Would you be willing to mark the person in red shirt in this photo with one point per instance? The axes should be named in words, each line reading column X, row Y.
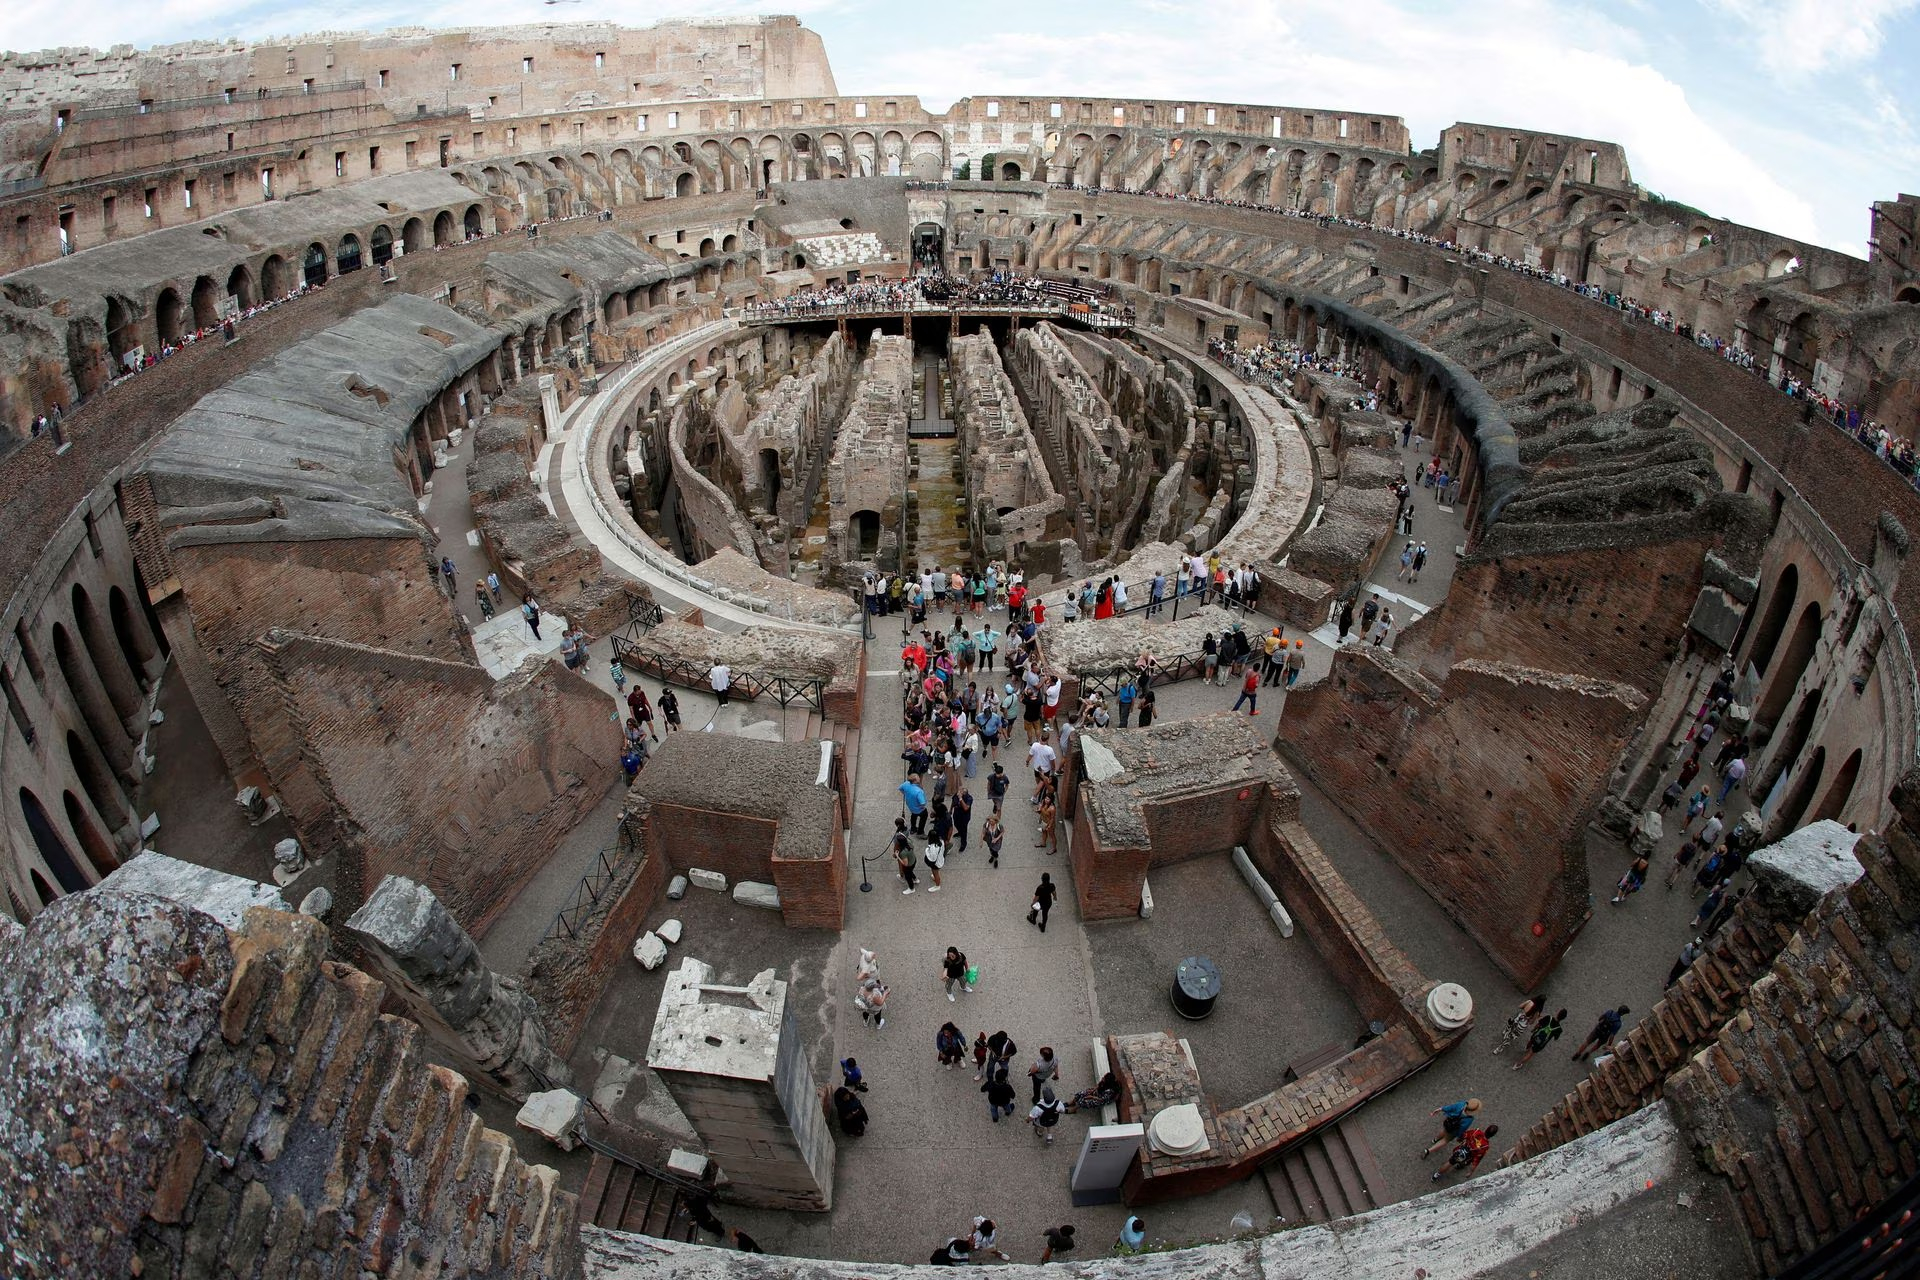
column 1250, row 692
column 1039, row 613
column 1016, row 601
column 914, row 657
column 1471, row 1150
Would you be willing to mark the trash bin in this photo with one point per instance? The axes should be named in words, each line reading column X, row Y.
column 1196, row 985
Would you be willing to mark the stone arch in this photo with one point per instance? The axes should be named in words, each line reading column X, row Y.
column 1010, row 172
column 1773, row 623
column 115, row 675
column 730, row 244
column 1793, row 664
column 1783, row 262
column 1794, row 808
column 1840, row 790
column 1909, row 294
column 135, row 644
column 95, row 708
column 863, row 533
column 95, row 779
column 240, row 287
column 205, row 303
column 413, row 235
column 313, row 267
column 122, row 334
column 769, row 477
column 274, row 281
column 685, row 185
column 98, row 848
column 347, row 257
column 52, row 849
column 380, row 245
column 708, row 247
column 169, row 316
column 43, row 890
column 470, row 223
column 443, row 229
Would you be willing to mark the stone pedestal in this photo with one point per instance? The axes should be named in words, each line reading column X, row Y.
column 733, row 1060
column 414, row 945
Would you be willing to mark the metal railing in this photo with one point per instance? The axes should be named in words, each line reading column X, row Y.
column 1185, row 666
column 588, row 893
column 747, row 686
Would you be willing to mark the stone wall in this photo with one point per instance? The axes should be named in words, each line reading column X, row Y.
column 239, row 1106
column 1081, row 438
column 566, row 972
column 1012, row 501
column 868, row 472
column 795, row 418
column 1503, row 765
column 434, row 771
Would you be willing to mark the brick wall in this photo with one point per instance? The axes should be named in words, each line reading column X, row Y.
column 1106, row 882
column 1604, row 613
column 813, row 891
column 434, row 771
column 1806, row 1101
column 262, row 1119
column 1480, row 788
column 736, row 845
column 370, row 591
column 567, row 972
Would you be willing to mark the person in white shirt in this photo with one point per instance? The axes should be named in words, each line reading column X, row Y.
column 721, row 678
column 1041, row 758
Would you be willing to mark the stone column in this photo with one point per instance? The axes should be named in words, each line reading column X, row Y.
column 415, row 946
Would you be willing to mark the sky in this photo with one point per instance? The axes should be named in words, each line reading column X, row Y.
column 1790, row 115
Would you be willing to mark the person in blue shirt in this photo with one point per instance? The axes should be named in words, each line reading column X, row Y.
column 915, row 798
column 1125, row 699
column 1455, row 1119
column 1133, row 1234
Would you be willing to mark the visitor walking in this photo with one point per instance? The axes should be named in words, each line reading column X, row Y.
column 1455, row 1119
column 949, row 1045
column 1059, row 1240
column 1602, row 1034
column 1545, row 1032
column 1688, row 954
column 903, row 859
column 1472, row 1149
column 1521, row 1023
column 1046, row 1114
column 953, row 972
column 1000, row 1096
column 1249, row 694
column 720, row 676
column 530, row 611
column 1043, row 895
column 1043, row 1070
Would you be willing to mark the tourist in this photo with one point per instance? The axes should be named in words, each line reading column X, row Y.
column 1001, row 1045
column 1209, row 659
column 962, row 816
column 994, row 835
column 1545, row 1032
column 1735, row 771
column 914, row 797
column 485, row 600
column 1045, row 1114
column 630, row 761
column 1456, row 1119
column 1049, row 826
column 1382, row 627
column 1296, row 662
column 1059, row 1240
column 642, row 709
column 1273, row 660
column 1133, row 1235
column 852, row 1076
column 720, row 677
column 1042, row 758
column 1043, row 896
column 1419, row 561
column 903, row 859
column 1070, row 610
column 670, row 708
column 953, row 972
column 1368, row 614
column 1602, row 1034
column 988, row 643
column 1681, row 858
column 980, row 1052
column 1156, row 593
column 1472, row 1149
column 1406, row 563
column 1249, row 694
column 1709, row 907
column 1632, row 882
column 1521, row 1022
column 1043, row 1070
column 1000, row 1095
column 985, row 1238
column 997, row 784
column 1052, row 702
column 529, row 610
column 871, row 1000
column 1146, row 702
column 1688, row 954
column 949, row 1045
column 849, row 1112
column 1344, row 619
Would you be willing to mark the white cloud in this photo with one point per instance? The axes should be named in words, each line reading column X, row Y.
column 1793, row 39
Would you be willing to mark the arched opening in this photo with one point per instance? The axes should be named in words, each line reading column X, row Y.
column 348, row 257
column 865, row 529
column 1009, row 172
column 1790, row 743
column 98, row 848
column 1802, row 794
column 53, row 850
column 770, row 476
column 442, row 229
column 684, row 185
column 471, row 223
column 94, row 707
column 1793, row 664
column 273, row 277
column 94, row 780
column 380, row 244
column 168, row 316
column 1784, row 263
column 313, row 268
column 1834, row 802
column 1909, row 294
column 708, row 247
column 122, row 337
column 240, row 287
column 730, row 244
column 799, row 261
column 43, row 889
column 413, row 235
column 206, row 303
column 133, row 644
column 116, row 676
column 1774, row 624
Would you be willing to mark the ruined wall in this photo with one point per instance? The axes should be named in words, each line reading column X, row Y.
column 868, row 472
column 1480, row 787
column 1011, row 496
column 795, row 419
column 434, row 771
column 1081, row 437
column 245, row 1110
column 567, row 969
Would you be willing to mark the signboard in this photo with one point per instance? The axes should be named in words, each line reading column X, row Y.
column 1106, row 1153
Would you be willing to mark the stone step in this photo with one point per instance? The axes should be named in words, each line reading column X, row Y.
column 594, row 1191
column 613, row 1206
column 1373, row 1180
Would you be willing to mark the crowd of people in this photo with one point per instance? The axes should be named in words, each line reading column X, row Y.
column 933, row 289
column 1898, row 453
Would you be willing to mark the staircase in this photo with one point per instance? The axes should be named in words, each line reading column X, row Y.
column 801, row 723
column 1333, row 1174
column 625, row 1197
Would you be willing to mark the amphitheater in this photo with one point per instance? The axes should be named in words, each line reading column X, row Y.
column 337, row 942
